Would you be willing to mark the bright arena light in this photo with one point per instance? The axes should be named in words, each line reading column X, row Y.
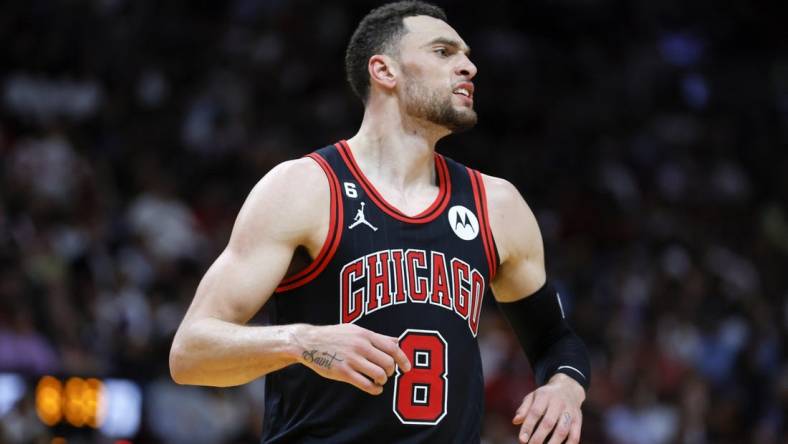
column 49, row 400
column 120, row 410
column 12, row 389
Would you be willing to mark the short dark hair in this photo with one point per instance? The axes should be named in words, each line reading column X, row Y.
column 375, row 34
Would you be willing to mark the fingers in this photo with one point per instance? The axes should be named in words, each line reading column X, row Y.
column 546, row 425
column 574, row 432
column 370, row 370
column 363, row 383
column 519, row 415
column 532, row 416
column 359, row 356
column 561, row 431
column 390, row 346
column 382, row 360
column 376, row 362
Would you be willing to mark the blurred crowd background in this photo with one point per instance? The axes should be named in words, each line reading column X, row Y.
column 649, row 137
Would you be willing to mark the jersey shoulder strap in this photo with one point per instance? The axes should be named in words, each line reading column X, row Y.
column 469, row 190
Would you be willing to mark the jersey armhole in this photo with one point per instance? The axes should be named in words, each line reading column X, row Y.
column 333, row 236
column 480, row 198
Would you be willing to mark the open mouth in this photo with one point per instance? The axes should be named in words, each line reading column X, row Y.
column 464, row 89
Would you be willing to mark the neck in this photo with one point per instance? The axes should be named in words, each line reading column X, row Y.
column 394, row 148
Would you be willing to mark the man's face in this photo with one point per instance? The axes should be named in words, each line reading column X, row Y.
column 436, row 74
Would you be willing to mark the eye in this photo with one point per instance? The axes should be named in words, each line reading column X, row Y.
column 443, row 52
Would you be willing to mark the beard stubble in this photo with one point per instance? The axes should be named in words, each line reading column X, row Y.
column 434, row 107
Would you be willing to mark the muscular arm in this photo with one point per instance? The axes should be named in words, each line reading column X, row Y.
column 518, row 240
column 541, row 328
column 288, row 208
column 212, row 346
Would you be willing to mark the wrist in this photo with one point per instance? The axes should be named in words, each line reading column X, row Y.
column 577, row 391
column 294, row 349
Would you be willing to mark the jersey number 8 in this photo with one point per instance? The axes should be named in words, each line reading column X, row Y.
column 420, row 394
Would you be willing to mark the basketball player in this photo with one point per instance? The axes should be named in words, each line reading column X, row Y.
column 374, row 340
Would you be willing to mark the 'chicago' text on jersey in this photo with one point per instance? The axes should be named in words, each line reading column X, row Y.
column 389, row 277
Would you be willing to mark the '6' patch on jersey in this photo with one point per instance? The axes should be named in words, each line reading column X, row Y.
column 463, row 222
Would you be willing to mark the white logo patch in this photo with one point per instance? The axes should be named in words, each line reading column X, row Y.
column 463, row 222
column 360, row 219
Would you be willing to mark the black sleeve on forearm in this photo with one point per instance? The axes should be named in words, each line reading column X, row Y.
column 550, row 344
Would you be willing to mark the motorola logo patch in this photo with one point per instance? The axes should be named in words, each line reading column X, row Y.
column 463, row 222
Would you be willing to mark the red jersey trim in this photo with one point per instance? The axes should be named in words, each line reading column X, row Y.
column 333, row 237
column 480, row 198
column 433, row 211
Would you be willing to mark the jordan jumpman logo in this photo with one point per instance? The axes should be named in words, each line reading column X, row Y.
column 360, row 219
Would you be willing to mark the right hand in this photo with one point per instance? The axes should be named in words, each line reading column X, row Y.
column 351, row 354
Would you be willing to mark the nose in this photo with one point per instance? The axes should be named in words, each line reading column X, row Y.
column 466, row 68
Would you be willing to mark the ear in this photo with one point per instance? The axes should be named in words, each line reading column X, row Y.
column 382, row 71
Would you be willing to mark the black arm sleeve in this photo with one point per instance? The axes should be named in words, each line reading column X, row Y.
column 550, row 344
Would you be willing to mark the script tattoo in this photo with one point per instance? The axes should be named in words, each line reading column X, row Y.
column 322, row 359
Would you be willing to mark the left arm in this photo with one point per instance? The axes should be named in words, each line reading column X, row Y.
column 557, row 355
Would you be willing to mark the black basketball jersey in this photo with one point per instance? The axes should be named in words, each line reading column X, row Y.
column 421, row 279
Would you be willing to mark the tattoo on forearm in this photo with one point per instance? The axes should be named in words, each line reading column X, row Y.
column 322, row 359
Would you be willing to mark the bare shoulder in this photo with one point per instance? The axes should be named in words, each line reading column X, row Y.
column 296, row 182
column 501, row 194
column 512, row 221
column 290, row 204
